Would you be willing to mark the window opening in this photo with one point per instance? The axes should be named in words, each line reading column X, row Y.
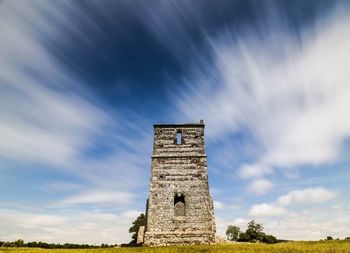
column 179, row 205
column 179, row 137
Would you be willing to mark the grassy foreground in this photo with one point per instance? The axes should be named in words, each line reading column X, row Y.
column 289, row 247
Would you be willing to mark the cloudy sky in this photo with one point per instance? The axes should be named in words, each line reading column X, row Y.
column 82, row 83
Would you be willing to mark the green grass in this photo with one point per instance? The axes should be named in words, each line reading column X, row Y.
column 288, row 247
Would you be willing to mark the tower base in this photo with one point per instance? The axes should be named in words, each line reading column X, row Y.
column 178, row 238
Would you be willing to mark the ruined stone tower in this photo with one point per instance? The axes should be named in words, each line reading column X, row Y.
column 179, row 208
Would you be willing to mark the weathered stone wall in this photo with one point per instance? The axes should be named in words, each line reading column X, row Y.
column 140, row 235
column 180, row 209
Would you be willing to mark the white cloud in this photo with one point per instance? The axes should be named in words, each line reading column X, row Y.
column 113, row 198
column 46, row 116
column 294, row 104
column 48, row 119
column 222, row 223
column 73, row 227
column 219, row 205
column 288, row 92
column 57, row 186
column 264, row 210
column 313, row 223
column 224, row 206
column 240, row 222
column 306, row 196
column 260, row 186
column 251, row 171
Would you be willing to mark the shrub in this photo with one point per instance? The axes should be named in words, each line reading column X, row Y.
column 269, row 239
column 244, row 237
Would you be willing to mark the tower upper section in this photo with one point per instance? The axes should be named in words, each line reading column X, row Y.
column 179, row 140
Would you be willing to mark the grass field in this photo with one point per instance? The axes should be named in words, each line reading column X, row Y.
column 289, row 247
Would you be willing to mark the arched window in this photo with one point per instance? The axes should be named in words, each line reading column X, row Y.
column 179, row 205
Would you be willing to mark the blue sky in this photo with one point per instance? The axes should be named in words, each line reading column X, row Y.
column 82, row 83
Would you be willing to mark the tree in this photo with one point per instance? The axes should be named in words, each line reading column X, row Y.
column 269, row 239
column 134, row 229
column 329, row 238
column 232, row 233
column 19, row 243
column 255, row 231
column 7, row 244
column 244, row 237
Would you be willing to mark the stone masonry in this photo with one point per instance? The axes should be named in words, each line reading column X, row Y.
column 179, row 208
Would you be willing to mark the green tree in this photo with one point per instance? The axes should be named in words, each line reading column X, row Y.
column 134, row 229
column 19, row 243
column 7, row 244
column 255, row 231
column 244, row 237
column 269, row 239
column 232, row 233
column 329, row 238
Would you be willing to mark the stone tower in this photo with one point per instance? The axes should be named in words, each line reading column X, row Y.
column 179, row 207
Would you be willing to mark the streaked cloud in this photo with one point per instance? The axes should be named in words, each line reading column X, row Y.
column 70, row 226
column 251, row 171
column 48, row 116
column 110, row 198
column 306, row 196
column 263, row 210
column 77, row 103
column 60, row 186
column 53, row 124
column 224, row 206
column 311, row 223
column 222, row 223
column 43, row 126
column 260, row 186
column 287, row 92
